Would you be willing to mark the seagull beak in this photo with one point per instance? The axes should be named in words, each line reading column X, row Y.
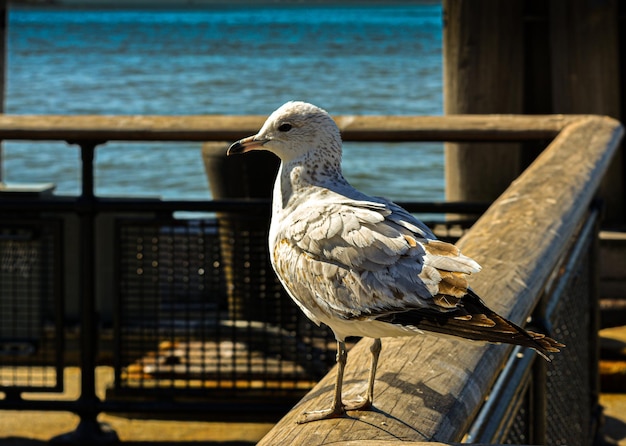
column 245, row 145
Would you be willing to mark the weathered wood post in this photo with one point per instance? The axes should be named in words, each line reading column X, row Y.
column 483, row 73
column 586, row 76
column 243, row 236
column 529, row 57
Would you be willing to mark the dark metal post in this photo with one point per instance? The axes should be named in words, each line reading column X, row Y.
column 594, row 323
column 88, row 332
column 88, row 431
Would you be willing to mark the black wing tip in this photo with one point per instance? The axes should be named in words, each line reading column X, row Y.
column 472, row 319
column 545, row 345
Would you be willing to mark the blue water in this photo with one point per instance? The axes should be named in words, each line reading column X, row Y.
column 348, row 60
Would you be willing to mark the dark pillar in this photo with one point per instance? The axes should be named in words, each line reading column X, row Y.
column 483, row 73
column 586, row 76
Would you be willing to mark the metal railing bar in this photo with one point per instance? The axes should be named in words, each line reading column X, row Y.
column 59, row 307
column 87, row 149
column 490, row 422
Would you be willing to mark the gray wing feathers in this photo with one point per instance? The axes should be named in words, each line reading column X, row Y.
column 365, row 258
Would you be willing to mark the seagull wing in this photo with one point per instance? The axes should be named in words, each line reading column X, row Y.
column 360, row 259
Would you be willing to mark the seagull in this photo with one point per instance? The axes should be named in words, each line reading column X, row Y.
column 363, row 265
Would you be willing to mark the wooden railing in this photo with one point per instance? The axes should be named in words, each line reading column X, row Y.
column 428, row 389
column 228, row 128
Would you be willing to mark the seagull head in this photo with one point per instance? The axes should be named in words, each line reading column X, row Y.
column 293, row 131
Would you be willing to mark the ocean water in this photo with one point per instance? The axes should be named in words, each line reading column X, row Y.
column 234, row 61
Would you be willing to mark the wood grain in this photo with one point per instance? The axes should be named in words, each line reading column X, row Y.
column 482, row 74
column 231, row 128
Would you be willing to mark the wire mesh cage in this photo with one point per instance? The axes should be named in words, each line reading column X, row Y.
column 200, row 308
column 569, row 386
column 31, row 318
column 521, row 425
column 569, row 391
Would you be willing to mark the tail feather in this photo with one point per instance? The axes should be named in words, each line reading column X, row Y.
column 474, row 320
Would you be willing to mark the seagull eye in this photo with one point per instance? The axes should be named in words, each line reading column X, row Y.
column 285, row 127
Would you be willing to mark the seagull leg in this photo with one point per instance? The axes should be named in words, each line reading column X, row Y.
column 367, row 402
column 336, row 410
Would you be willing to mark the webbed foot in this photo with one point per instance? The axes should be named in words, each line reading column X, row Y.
column 358, row 404
column 325, row 414
column 335, row 412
